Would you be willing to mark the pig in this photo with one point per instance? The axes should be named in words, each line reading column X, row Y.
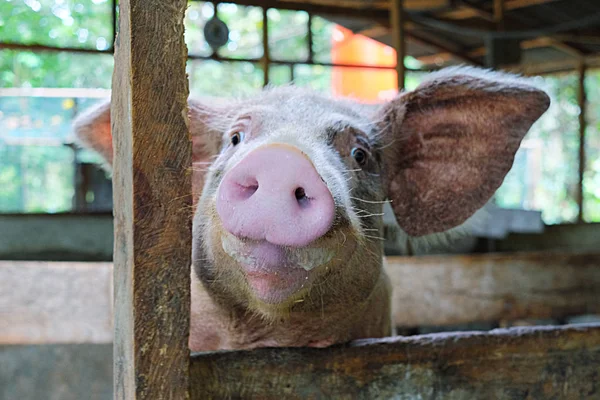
column 288, row 191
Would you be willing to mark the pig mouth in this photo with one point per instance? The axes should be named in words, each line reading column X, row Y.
column 275, row 272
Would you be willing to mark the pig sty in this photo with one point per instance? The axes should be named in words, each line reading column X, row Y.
column 288, row 189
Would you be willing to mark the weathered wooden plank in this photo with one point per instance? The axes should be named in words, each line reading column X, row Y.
column 397, row 21
column 570, row 237
column 446, row 290
column 517, row 363
column 152, row 192
column 56, row 237
column 43, row 302
column 89, row 237
column 56, row 372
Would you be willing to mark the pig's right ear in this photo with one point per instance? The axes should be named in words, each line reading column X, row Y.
column 93, row 130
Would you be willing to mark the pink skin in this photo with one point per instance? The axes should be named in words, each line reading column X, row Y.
column 271, row 200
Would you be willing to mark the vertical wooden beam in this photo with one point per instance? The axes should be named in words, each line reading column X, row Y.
column 499, row 14
column 266, row 57
column 152, row 193
column 398, row 39
column 311, row 50
column 113, row 19
column 582, row 101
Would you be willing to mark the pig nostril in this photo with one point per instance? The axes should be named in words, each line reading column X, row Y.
column 300, row 193
column 246, row 192
column 301, row 197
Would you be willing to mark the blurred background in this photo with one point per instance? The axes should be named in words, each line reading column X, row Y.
column 56, row 61
column 56, row 203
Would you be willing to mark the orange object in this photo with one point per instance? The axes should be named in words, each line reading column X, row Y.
column 367, row 85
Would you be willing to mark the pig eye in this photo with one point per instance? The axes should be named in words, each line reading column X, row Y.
column 236, row 138
column 359, row 155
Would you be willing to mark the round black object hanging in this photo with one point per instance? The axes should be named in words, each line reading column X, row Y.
column 216, row 33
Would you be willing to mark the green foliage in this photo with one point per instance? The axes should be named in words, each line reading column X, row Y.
column 36, row 178
column 591, row 179
column 65, row 23
column 545, row 174
column 40, row 178
column 288, row 35
column 56, row 70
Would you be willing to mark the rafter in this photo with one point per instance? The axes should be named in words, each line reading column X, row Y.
column 525, row 45
column 465, row 11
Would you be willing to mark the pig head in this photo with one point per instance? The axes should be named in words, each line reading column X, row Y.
column 289, row 187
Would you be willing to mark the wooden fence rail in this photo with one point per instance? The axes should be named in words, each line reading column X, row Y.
column 70, row 302
column 517, row 363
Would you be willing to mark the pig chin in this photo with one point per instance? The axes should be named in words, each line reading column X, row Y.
column 273, row 272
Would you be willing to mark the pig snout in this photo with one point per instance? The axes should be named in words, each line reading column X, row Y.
column 275, row 194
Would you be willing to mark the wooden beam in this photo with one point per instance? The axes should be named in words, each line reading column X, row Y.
column 536, row 43
column 56, row 371
column 466, row 12
column 499, row 8
column 56, row 237
column 580, row 238
column 450, row 290
column 536, row 363
column 550, row 67
column 398, row 39
column 71, row 302
column 582, row 102
column 265, row 42
column 152, row 192
column 55, row 302
column 458, row 54
column 348, row 5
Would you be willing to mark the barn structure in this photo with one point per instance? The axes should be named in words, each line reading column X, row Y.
column 470, row 323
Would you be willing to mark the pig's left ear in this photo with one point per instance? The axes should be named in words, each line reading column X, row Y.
column 449, row 144
column 206, row 123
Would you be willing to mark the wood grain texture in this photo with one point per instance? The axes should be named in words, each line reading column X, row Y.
column 44, row 302
column 447, row 290
column 152, row 193
column 517, row 363
column 56, row 372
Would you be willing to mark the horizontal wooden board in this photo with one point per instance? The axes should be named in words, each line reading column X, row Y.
column 48, row 302
column 89, row 237
column 517, row 363
column 446, row 290
column 56, row 237
column 56, row 372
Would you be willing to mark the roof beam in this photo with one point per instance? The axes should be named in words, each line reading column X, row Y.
column 467, row 11
column 525, row 45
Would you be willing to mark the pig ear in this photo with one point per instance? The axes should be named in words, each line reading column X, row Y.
column 449, row 144
column 93, row 130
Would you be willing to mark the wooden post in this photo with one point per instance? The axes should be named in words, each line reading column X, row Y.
column 499, row 14
column 266, row 57
column 582, row 101
column 152, row 193
column 397, row 24
column 311, row 50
